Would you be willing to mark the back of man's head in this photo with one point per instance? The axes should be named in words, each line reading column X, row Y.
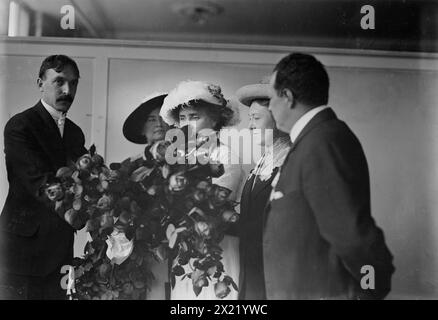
column 57, row 62
column 305, row 77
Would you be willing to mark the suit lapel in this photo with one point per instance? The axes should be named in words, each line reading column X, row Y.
column 323, row 116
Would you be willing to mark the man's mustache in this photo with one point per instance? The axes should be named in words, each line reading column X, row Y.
column 65, row 98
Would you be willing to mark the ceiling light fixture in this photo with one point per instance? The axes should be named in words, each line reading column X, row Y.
column 198, row 11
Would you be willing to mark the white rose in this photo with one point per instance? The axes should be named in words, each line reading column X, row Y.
column 119, row 247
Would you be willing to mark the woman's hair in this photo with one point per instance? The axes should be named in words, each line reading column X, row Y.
column 221, row 115
column 261, row 101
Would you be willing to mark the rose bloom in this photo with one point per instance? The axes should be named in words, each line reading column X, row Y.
column 220, row 196
column 84, row 162
column 203, row 229
column 203, row 185
column 55, row 192
column 230, row 216
column 158, row 150
column 177, row 182
column 119, row 247
column 199, row 279
column 97, row 160
column 201, row 246
column 104, row 202
column 221, row 289
column 199, row 195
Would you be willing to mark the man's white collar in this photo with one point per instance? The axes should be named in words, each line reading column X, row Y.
column 303, row 121
column 53, row 112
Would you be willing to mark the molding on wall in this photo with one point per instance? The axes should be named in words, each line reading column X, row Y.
column 214, row 52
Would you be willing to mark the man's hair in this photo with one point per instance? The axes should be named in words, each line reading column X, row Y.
column 305, row 77
column 57, row 62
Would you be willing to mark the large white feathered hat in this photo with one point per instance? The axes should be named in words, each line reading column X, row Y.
column 188, row 92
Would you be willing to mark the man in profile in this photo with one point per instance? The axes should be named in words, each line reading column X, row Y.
column 319, row 234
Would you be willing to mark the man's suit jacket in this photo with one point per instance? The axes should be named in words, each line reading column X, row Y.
column 34, row 239
column 319, row 232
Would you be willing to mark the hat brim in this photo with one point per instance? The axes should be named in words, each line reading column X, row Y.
column 247, row 94
column 134, row 124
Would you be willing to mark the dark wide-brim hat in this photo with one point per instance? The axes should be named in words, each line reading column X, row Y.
column 134, row 124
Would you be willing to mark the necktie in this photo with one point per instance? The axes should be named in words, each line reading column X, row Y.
column 61, row 123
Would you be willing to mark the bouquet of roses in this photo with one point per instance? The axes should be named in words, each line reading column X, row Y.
column 199, row 214
column 145, row 208
column 113, row 206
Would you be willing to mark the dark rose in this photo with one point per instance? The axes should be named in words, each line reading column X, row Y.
column 177, row 182
column 55, row 192
column 152, row 190
column 158, row 150
column 74, row 218
column 137, row 279
column 64, row 173
column 85, row 162
column 125, row 203
column 221, row 289
column 92, row 225
column 125, row 217
column 203, row 185
column 160, row 252
column 105, row 202
column 199, row 279
column 97, row 160
column 142, row 233
column 114, row 175
column 201, row 246
column 106, row 220
column 198, row 195
column 104, row 185
column 104, row 270
column 70, row 216
column 203, row 229
column 220, row 196
column 77, row 204
column 230, row 216
column 128, row 288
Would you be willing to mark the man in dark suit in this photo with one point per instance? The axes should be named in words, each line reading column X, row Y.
column 34, row 241
column 320, row 240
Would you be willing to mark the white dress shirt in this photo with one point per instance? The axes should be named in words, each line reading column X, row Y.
column 294, row 133
column 303, row 121
column 58, row 116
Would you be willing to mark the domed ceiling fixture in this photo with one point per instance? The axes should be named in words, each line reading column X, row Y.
column 198, row 11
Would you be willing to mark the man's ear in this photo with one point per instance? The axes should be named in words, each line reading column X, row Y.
column 289, row 96
column 40, row 84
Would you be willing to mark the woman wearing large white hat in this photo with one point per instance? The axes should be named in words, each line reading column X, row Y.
column 202, row 106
